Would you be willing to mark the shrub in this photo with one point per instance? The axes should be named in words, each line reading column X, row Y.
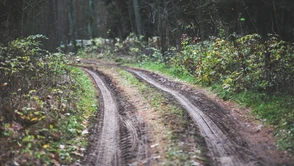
column 31, row 79
column 244, row 63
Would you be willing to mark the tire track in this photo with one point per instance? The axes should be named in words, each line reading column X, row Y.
column 223, row 149
column 108, row 151
column 118, row 136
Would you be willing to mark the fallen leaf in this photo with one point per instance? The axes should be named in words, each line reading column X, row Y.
column 35, row 119
column 153, row 146
column 85, row 132
column 49, row 97
column 78, row 154
column 4, row 84
column 61, row 146
column 46, row 146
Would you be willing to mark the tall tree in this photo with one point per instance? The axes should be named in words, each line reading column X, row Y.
column 72, row 26
column 60, row 21
column 137, row 17
column 91, row 18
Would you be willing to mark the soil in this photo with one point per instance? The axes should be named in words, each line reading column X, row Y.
column 125, row 132
column 119, row 134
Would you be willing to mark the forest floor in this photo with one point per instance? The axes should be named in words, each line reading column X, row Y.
column 149, row 119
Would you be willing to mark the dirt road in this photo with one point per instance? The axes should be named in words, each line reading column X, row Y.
column 223, row 149
column 120, row 137
column 108, row 149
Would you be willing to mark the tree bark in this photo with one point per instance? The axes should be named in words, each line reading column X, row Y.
column 72, row 26
column 137, row 17
column 91, row 19
column 60, row 22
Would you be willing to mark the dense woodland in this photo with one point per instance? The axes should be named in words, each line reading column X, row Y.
column 168, row 19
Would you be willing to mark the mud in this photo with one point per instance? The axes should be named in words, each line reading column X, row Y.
column 228, row 138
column 225, row 137
column 118, row 138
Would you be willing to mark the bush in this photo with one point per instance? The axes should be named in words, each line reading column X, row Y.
column 31, row 79
column 38, row 110
column 244, row 63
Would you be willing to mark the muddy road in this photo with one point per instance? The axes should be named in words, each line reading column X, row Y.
column 223, row 148
column 108, row 151
column 121, row 136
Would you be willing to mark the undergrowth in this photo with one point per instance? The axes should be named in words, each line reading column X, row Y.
column 44, row 107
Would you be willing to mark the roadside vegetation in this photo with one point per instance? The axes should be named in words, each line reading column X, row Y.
column 250, row 70
column 44, row 108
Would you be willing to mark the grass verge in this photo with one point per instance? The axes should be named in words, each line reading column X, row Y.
column 165, row 69
column 73, row 128
column 276, row 110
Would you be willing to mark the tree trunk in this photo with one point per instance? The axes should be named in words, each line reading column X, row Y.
column 130, row 16
column 276, row 17
column 201, row 22
column 72, row 26
column 60, row 22
column 51, row 25
column 137, row 17
column 91, row 19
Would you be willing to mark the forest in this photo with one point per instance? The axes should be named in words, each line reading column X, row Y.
column 62, row 20
column 242, row 50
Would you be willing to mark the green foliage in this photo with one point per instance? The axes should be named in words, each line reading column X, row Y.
column 132, row 45
column 254, row 72
column 245, row 63
column 41, row 117
column 99, row 47
column 29, row 74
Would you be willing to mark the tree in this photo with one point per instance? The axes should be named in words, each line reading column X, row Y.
column 60, row 22
column 72, row 26
column 91, row 18
column 138, row 17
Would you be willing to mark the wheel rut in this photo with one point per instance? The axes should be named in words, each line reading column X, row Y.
column 225, row 146
column 226, row 139
column 118, row 136
column 108, row 152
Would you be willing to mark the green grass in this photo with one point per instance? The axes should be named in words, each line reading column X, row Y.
column 164, row 69
column 88, row 101
column 276, row 110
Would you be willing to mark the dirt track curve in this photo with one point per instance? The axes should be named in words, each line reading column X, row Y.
column 119, row 137
column 224, row 150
